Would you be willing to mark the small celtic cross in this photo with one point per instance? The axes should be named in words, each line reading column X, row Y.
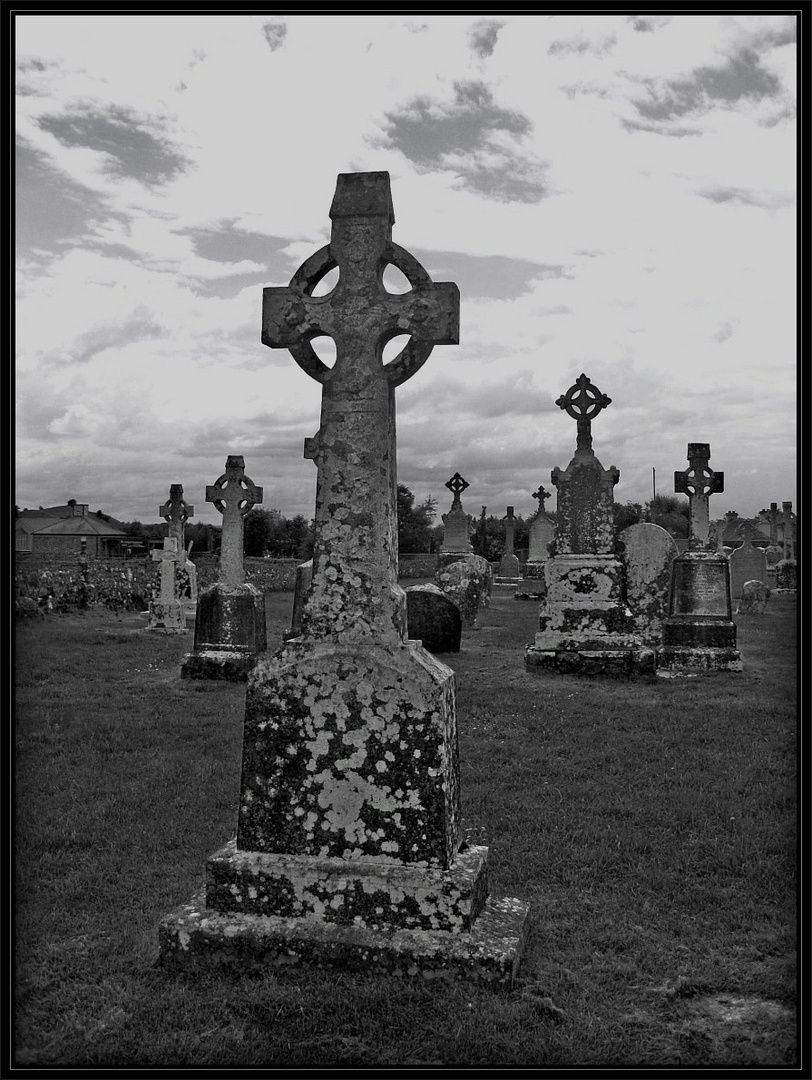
column 234, row 494
column 542, row 497
column 456, row 485
column 699, row 482
column 583, row 401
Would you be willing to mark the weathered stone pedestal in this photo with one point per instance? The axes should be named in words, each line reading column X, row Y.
column 584, row 626
column 699, row 633
column 167, row 617
column 348, row 847
column 229, row 633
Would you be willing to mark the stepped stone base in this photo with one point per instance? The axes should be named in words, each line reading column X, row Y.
column 358, row 914
column 227, row 665
column 593, row 659
column 676, row 658
column 509, row 582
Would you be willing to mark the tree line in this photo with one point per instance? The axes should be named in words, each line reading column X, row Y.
column 270, row 533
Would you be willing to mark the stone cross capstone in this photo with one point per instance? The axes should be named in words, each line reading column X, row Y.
column 456, row 485
column 542, row 496
column 177, row 512
column 583, row 401
column 698, row 482
column 233, row 494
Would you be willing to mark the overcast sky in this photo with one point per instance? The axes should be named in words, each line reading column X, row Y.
column 613, row 195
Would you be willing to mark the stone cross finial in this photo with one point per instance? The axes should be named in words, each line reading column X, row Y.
column 542, row 497
column 456, row 485
column 177, row 512
column 583, row 401
column 699, row 482
column 234, row 494
column 355, row 592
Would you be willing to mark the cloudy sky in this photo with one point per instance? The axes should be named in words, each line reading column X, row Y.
column 613, row 194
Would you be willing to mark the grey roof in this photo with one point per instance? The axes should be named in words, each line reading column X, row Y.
column 79, row 526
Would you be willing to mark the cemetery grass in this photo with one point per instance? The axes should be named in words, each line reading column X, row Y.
column 651, row 825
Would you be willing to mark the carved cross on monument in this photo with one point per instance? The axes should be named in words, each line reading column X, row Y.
column 510, row 526
column 177, row 512
column 698, row 482
column 583, row 401
column 456, row 485
column 542, row 497
column 234, row 494
column 355, row 592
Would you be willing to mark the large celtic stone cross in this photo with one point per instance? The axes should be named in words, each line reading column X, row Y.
column 456, row 485
column 170, row 557
column 355, row 592
column 699, row 482
column 583, row 401
column 177, row 512
column 233, row 494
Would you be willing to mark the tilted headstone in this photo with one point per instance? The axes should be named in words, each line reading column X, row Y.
column 585, row 626
column 433, row 618
column 699, row 633
column 304, row 579
column 230, row 621
column 648, row 551
column 508, row 572
column 457, row 527
column 349, row 847
column 747, row 563
column 753, row 599
column 166, row 612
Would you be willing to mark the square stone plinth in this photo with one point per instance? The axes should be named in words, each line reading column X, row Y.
column 226, row 665
column 195, row 937
column 676, row 658
column 379, row 894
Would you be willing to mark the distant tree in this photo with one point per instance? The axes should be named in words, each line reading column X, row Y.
column 260, row 527
column 414, row 522
column 626, row 514
column 671, row 513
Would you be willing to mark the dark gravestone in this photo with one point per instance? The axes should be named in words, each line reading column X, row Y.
column 433, row 619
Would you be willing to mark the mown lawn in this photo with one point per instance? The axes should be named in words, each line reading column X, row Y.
column 652, row 825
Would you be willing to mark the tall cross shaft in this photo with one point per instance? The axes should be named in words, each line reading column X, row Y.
column 355, row 591
column 510, row 526
column 233, row 494
column 699, row 482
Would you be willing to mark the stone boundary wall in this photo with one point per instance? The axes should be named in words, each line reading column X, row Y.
column 46, row 583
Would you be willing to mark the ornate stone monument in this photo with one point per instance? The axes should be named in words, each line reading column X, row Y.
column 167, row 613
column 699, row 633
column 456, row 526
column 230, row 621
column 542, row 533
column 509, row 572
column 584, row 624
column 348, row 847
